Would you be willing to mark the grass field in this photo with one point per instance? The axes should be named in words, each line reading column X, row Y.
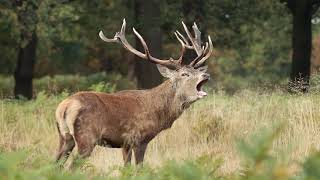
column 234, row 134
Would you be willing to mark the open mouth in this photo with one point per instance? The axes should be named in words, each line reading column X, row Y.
column 200, row 92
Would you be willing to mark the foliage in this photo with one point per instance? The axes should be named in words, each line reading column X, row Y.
column 246, row 56
column 71, row 83
column 15, row 165
column 311, row 167
column 315, row 83
column 251, row 38
column 258, row 161
column 103, row 87
column 11, row 164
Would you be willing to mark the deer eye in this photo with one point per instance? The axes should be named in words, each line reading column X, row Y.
column 185, row 74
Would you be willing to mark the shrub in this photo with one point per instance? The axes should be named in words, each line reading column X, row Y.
column 6, row 86
column 16, row 166
column 71, row 83
column 208, row 128
column 103, row 87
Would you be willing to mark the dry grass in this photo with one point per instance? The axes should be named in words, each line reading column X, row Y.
column 212, row 126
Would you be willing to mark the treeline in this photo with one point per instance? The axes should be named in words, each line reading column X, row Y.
column 252, row 39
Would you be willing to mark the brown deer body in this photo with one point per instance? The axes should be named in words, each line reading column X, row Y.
column 131, row 119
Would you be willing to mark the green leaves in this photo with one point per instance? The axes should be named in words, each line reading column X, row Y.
column 16, row 166
column 311, row 167
column 258, row 160
column 103, row 87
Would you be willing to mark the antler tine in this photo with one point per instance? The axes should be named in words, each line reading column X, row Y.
column 204, row 50
column 183, row 47
column 104, row 38
column 208, row 54
column 123, row 41
column 197, row 33
column 115, row 38
column 184, row 40
column 169, row 62
column 143, row 42
column 123, row 27
column 119, row 37
column 194, row 41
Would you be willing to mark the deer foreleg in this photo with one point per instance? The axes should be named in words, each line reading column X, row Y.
column 139, row 152
column 127, row 154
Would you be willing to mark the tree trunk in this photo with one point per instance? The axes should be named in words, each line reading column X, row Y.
column 147, row 15
column 301, row 44
column 24, row 69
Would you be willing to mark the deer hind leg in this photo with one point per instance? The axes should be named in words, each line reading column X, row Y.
column 139, row 152
column 61, row 143
column 127, row 154
column 84, row 148
column 65, row 147
column 85, row 142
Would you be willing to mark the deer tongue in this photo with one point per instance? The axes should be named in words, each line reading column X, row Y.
column 202, row 93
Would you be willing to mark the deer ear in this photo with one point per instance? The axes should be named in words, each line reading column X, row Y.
column 165, row 72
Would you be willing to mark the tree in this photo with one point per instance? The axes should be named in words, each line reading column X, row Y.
column 147, row 14
column 302, row 11
column 27, row 18
column 23, row 74
column 37, row 20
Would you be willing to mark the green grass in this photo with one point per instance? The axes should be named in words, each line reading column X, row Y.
column 250, row 135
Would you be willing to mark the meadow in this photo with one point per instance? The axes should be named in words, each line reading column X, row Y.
column 245, row 129
column 253, row 133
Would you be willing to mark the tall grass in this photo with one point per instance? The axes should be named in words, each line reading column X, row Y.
column 215, row 128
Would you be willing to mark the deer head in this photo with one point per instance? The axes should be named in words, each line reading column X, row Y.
column 187, row 79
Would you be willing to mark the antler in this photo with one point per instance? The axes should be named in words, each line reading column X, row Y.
column 121, row 39
column 203, row 52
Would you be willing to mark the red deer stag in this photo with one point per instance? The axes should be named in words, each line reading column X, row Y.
column 130, row 119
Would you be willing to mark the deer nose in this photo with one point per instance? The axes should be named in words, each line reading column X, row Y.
column 206, row 76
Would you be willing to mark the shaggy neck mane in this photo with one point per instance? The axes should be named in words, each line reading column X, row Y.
column 166, row 103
